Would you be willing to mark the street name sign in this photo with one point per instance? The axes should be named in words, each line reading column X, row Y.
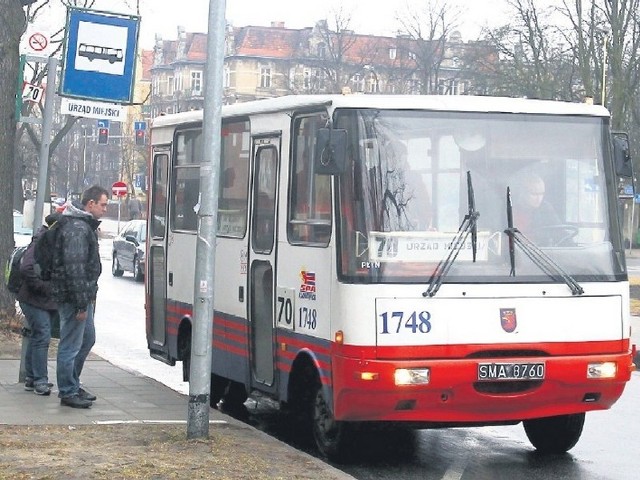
column 89, row 109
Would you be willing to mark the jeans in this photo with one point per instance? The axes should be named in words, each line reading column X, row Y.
column 76, row 339
column 37, row 351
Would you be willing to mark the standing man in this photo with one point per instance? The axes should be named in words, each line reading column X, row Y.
column 135, row 207
column 74, row 281
column 39, row 310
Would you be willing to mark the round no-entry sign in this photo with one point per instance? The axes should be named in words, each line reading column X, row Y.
column 119, row 189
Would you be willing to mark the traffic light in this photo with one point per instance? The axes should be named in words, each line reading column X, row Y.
column 140, row 137
column 103, row 136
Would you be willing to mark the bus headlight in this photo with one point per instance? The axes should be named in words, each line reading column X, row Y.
column 602, row 370
column 412, row 376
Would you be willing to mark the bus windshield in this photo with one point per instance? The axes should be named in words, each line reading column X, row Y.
column 405, row 194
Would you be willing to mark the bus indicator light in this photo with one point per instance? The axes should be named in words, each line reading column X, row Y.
column 367, row 376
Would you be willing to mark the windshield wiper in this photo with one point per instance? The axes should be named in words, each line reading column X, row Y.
column 468, row 226
column 543, row 261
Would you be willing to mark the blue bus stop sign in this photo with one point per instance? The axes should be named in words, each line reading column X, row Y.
column 99, row 58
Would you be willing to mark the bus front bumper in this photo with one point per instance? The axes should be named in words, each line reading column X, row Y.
column 365, row 390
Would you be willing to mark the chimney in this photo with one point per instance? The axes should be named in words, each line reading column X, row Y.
column 277, row 24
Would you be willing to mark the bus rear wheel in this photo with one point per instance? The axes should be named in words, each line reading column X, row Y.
column 331, row 436
column 218, row 387
column 555, row 434
column 235, row 396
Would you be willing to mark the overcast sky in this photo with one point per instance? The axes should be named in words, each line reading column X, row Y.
column 367, row 16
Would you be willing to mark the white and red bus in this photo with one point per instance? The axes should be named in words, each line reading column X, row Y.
column 381, row 259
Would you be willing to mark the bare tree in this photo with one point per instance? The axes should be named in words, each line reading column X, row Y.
column 430, row 29
column 535, row 57
column 13, row 21
column 337, row 55
column 606, row 42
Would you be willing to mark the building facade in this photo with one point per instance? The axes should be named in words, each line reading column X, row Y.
column 263, row 62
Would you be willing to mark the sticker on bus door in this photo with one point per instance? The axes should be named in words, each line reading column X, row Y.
column 285, row 308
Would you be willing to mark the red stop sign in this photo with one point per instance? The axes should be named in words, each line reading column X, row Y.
column 119, row 189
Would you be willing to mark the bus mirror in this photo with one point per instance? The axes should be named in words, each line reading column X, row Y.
column 622, row 154
column 331, row 151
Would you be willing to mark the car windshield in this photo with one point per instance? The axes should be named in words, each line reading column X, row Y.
column 406, row 193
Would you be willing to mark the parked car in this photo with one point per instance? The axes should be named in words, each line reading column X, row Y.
column 129, row 250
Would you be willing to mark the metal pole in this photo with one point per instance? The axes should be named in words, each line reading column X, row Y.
column 43, row 174
column 47, row 120
column 119, row 210
column 203, row 301
column 604, row 68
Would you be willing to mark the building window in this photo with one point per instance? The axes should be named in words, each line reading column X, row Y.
column 414, row 86
column 450, row 86
column 226, row 80
column 265, row 77
column 319, row 79
column 177, row 87
column 392, row 53
column 306, row 79
column 196, row 83
column 322, row 50
column 358, row 82
column 170, row 86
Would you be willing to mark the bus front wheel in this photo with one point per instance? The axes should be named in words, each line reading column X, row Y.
column 331, row 436
column 555, row 434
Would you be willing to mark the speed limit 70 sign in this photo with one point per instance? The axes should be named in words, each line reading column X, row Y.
column 32, row 93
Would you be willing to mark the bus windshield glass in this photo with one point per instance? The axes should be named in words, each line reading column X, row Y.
column 405, row 194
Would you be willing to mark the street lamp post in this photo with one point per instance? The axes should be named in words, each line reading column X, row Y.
column 604, row 67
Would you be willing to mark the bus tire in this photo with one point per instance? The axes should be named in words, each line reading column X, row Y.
column 218, row 387
column 235, row 395
column 555, row 434
column 184, row 350
column 332, row 437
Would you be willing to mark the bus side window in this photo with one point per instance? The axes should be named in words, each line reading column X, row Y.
column 310, row 199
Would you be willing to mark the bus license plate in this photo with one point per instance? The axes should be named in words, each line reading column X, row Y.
column 510, row 371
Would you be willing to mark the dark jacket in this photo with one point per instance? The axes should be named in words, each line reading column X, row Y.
column 76, row 260
column 34, row 291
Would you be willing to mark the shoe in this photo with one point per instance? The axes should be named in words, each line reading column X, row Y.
column 42, row 389
column 29, row 385
column 75, row 401
column 82, row 393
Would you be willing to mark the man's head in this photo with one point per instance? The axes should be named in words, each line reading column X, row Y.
column 529, row 190
column 95, row 200
column 534, row 191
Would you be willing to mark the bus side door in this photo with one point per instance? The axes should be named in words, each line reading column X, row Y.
column 262, row 256
column 156, row 274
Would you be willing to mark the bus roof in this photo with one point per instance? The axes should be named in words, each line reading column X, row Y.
column 452, row 103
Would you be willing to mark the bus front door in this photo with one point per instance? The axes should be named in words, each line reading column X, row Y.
column 262, row 258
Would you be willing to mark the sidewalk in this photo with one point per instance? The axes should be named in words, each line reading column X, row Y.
column 126, row 397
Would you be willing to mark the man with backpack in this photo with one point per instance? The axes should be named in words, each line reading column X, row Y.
column 34, row 296
column 74, row 281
